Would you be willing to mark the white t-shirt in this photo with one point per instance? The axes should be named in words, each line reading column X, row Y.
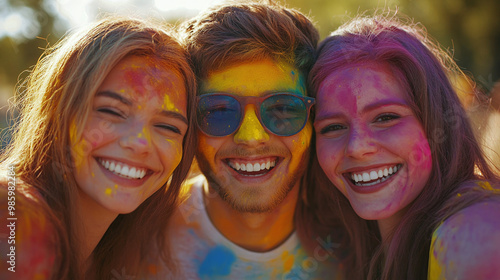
column 200, row 251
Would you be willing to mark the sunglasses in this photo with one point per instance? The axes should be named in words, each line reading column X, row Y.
column 283, row 114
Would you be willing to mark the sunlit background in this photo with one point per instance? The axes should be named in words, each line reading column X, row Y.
column 469, row 29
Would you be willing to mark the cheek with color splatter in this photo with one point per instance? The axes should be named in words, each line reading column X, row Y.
column 420, row 154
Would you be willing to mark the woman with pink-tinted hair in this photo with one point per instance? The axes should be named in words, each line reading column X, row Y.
column 397, row 159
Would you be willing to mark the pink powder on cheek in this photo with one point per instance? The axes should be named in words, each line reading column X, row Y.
column 420, row 154
column 143, row 141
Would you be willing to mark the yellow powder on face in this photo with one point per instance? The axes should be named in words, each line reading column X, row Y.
column 108, row 191
column 145, row 134
column 254, row 79
column 251, row 127
column 168, row 104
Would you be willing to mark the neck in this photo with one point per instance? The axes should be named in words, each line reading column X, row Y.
column 259, row 232
column 94, row 221
column 388, row 225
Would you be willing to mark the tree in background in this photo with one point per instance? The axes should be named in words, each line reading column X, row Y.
column 470, row 29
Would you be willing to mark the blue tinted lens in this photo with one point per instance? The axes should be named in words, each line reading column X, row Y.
column 218, row 115
column 283, row 115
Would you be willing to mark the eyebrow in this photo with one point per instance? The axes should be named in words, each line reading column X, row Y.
column 370, row 107
column 385, row 102
column 172, row 114
column 116, row 96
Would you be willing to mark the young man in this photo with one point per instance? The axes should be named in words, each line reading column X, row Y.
column 254, row 133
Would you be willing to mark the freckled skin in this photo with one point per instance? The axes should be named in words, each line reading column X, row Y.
column 135, row 133
column 355, row 97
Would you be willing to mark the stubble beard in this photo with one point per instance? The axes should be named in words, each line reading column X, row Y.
column 250, row 200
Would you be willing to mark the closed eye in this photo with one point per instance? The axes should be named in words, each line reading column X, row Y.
column 110, row 111
column 169, row 127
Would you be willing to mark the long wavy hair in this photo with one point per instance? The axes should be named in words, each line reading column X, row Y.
column 58, row 93
column 425, row 72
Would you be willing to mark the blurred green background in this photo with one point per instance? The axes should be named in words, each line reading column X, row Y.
column 469, row 29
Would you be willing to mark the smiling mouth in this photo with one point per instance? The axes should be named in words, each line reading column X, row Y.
column 365, row 179
column 253, row 167
column 123, row 170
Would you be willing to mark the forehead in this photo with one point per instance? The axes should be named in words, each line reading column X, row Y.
column 144, row 78
column 363, row 81
column 255, row 78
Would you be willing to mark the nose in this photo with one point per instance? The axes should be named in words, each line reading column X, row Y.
column 136, row 139
column 360, row 143
column 251, row 132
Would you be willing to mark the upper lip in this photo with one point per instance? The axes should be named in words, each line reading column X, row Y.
column 128, row 162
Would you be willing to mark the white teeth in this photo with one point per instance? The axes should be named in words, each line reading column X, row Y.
column 252, row 167
column 256, row 167
column 132, row 172
column 123, row 170
column 382, row 175
column 366, row 177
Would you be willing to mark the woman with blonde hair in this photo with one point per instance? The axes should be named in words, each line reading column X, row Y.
column 397, row 158
column 103, row 142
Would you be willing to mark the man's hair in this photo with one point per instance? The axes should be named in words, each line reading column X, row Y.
column 228, row 34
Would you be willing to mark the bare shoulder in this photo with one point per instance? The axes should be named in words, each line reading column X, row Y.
column 467, row 244
column 27, row 244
